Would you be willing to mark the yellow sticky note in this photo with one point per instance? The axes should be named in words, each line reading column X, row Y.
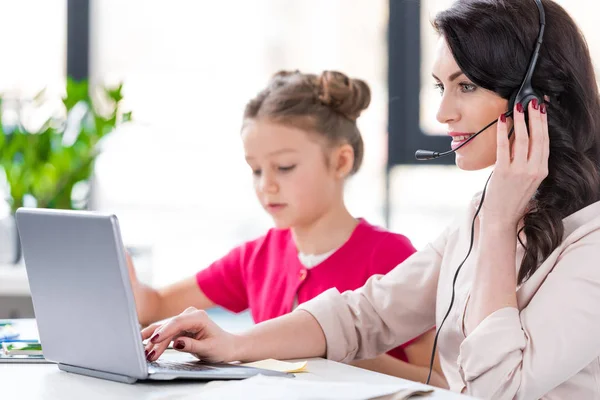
column 280, row 366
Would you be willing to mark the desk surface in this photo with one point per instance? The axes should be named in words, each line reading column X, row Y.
column 46, row 381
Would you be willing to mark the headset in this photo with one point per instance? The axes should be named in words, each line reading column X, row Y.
column 523, row 95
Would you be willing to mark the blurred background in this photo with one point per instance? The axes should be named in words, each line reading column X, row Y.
column 175, row 173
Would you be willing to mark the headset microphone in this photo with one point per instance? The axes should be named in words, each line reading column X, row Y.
column 423, row 155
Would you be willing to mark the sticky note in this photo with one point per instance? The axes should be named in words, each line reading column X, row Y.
column 280, row 366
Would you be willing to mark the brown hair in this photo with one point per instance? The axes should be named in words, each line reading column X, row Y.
column 492, row 42
column 328, row 104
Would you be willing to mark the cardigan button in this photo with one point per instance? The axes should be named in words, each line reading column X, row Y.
column 303, row 274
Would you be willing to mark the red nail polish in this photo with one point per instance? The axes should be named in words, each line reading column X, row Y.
column 543, row 108
column 503, row 118
column 146, row 353
column 534, row 104
column 149, row 357
column 179, row 345
column 154, row 338
column 520, row 107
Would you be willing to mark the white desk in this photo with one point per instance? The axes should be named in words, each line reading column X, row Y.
column 46, row 381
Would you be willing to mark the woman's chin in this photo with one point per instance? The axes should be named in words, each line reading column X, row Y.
column 470, row 162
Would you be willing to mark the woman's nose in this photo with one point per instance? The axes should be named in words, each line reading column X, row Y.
column 448, row 111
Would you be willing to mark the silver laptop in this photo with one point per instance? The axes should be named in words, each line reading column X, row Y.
column 84, row 304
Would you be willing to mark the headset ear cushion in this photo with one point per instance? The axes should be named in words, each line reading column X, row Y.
column 524, row 100
column 530, row 98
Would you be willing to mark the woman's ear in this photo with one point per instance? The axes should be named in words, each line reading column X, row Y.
column 343, row 161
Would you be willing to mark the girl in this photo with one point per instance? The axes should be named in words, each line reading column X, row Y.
column 301, row 141
column 525, row 318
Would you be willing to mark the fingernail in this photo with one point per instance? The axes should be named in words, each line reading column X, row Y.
column 179, row 345
column 520, row 107
column 149, row 356
column 146, row 353
column 503, row 118
column 534, row 104
column 154, row 338
column 543, row 108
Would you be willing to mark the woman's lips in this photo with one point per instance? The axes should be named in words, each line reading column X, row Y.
column 458, row 138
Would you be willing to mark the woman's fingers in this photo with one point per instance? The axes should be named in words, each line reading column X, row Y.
column 545, row 139
column 521, row 143
column 187, row 324
column 536, row 136
column 148, row 331
column 190, row 345
column 503, row 144
column 518, row 174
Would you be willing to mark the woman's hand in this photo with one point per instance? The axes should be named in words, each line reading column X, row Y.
column 191, row 332
column 517, row 174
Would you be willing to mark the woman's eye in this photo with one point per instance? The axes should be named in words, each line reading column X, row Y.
column 256, row 172
column 467, row 87
column 287, row 168
column 439, row 87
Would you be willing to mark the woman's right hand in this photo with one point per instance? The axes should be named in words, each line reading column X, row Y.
column 192, row 332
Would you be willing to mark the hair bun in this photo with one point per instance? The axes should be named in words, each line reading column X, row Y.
column 346, row 96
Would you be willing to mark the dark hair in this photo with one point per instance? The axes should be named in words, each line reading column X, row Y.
column 328, row 104
column 492, row 42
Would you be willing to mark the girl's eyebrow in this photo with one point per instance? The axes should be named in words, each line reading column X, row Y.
column 277, row 152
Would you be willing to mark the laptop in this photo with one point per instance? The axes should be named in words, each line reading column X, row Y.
column 84, row 303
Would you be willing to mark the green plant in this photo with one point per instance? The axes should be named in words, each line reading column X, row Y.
column 44, row 162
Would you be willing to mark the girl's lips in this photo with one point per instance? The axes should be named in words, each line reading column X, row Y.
column 274, row 207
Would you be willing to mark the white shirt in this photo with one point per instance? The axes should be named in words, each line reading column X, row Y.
column 310, row 261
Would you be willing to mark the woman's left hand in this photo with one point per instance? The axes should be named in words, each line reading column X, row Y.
column 517, row 173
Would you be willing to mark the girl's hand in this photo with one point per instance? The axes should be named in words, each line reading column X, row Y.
column 191, row 332
column 517, row 174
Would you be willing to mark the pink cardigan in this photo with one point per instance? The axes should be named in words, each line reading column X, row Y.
column 547, row 348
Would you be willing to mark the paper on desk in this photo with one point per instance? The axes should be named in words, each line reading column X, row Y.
column 27, row 328
column 272, row 388
column 280, row 366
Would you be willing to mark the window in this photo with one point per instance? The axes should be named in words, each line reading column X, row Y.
column 34, row 49
column 177, row 178
column 412, row 100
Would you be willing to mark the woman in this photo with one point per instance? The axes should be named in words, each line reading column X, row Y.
column 525, row 322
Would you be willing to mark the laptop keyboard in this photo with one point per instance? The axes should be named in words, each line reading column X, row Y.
column 179, row 366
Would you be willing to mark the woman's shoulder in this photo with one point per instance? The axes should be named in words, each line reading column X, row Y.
column 576, row 257
column 584, row 223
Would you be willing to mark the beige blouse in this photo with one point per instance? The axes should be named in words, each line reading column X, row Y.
column 549, row 348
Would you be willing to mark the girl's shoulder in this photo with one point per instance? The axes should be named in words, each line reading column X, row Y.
column 384, row 249
column 377, row 236
column 273, row 241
